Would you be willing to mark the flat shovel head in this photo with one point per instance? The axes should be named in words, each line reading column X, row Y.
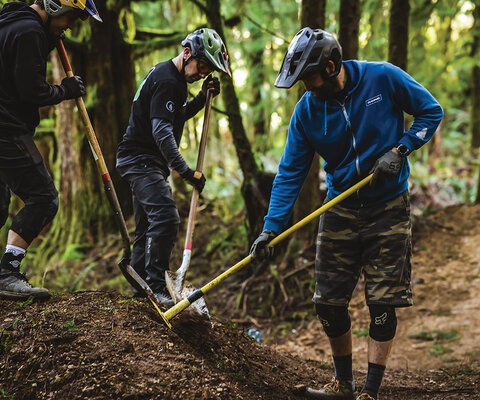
column 179, row 293
column 170, row 278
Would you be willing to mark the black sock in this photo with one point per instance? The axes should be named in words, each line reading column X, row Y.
column 343, row 367
column 374, row 378
column 10, row 262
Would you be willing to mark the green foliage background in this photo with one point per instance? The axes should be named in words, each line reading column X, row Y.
column 442, row 36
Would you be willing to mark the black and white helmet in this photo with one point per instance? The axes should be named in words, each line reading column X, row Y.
column 309, row 51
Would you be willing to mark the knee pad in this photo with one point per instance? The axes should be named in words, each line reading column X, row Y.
column 51, row 210
column 383, row 322
column 335, row 319
column 32, row 218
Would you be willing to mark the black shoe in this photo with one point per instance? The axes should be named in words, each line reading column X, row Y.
column 335, row 390
column 164, row 298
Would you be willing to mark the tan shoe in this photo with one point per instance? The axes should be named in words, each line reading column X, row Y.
column 366, row 396
column 335, row 390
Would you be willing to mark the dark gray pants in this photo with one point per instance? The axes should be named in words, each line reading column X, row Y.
column 156, row 220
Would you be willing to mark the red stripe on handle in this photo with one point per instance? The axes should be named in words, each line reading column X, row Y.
column 106, row 178
column 188, row 246
column 63, row 56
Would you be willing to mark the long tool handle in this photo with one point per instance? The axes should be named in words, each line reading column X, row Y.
column 195, row 196
column 128, row 272
column 183, row 304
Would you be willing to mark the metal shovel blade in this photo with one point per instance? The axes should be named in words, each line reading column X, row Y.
column 178, row 291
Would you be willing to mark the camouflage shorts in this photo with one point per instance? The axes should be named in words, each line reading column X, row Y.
column 375, row 241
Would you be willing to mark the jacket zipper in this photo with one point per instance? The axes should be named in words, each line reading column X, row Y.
column 354, row 142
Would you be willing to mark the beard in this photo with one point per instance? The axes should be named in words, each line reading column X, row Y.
column 327, row 91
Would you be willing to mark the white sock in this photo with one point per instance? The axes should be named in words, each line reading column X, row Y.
column 15, row 250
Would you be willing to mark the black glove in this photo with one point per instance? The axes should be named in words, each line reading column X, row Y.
column 212, row 83
column 259, row 250
column 195, row 178
column 73, row 86
column 387, row 165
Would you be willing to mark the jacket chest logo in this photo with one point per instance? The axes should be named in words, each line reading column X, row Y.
column 373, row 100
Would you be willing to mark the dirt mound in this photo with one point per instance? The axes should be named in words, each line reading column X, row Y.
column 98, row 345
column 101, row 345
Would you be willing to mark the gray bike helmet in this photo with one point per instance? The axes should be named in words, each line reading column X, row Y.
column 309, row 51
column 206, row 44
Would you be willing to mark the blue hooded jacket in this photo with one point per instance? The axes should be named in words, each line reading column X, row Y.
column 350, row 137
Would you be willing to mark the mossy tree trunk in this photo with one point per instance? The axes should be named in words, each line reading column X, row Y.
column 398, row 33
column 106, row 66
column 256, row 186
column 349, row 28
column 309, row 198
column 475, row 53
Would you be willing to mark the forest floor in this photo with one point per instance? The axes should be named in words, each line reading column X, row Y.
column 104, row 345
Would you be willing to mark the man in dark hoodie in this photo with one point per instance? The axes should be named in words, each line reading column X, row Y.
column 27, row 36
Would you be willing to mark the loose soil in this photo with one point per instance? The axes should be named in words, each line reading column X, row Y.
column 104, row 345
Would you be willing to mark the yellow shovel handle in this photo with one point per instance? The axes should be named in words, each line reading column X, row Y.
column 183, row 304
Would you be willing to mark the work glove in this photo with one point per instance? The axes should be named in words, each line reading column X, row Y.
column 73, row 87
column 259, row 250
column 212, row 83
column 195, row 178
column 387, row 165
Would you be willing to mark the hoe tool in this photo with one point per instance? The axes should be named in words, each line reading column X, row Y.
column 175, row 280
column 199, row 293
column 124, row 264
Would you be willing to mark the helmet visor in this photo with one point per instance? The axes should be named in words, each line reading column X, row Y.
column 91, row 11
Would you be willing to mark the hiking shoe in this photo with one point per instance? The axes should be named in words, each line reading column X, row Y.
column 15, row 286
column 366, row 396
column 164, row 298
column 335, row 390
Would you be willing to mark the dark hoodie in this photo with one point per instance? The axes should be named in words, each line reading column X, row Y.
column 24, row 49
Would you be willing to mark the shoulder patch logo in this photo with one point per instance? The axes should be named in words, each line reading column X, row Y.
column 422, row 134
column 373, row 100
column 170, row 106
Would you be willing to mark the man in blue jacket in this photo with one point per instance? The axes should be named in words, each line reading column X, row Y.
column 27, row 36
column 352, row 115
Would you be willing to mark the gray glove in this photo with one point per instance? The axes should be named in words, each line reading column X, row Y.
column 387, row 165
column 260, row 249
column 73, row 87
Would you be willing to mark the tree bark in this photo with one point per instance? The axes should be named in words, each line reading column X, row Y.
column 349, row 28
column 313, row 13
column 107, row 67
column 256, row 186
column 256, row 82
column 398, row 33
column 474, row 114
column 309, row 198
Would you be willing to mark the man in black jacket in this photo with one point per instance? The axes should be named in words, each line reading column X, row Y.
column 27, row 36
column 149, row 149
